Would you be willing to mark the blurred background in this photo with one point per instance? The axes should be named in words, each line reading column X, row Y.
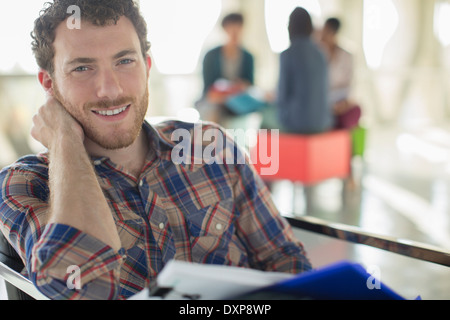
column 402, row 77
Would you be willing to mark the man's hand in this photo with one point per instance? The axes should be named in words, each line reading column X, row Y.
column 52, row 122
column 77, row 199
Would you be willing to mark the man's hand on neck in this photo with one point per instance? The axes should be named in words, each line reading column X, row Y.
column 53, row 123
column 76, row 197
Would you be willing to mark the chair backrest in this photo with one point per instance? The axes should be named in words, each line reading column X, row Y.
column 9, row 257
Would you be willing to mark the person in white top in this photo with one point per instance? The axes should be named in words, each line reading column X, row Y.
column 341, row 69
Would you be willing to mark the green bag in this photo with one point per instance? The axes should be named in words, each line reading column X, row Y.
column 359, row 135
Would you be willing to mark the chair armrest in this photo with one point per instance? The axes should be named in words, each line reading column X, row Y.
column 20, row 282
column 356, row 235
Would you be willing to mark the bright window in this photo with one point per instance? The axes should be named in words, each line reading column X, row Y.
column 277, row 19
column 16, row 23
column 381, row 20
column 442, row 22
column 177, row 31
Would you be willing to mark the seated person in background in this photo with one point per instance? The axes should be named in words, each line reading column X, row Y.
column 227, row 70
column 107, row 196
column 341, row 76
column 302, row 97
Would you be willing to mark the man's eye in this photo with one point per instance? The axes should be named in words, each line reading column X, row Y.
column 81, row 69
column 126, row 61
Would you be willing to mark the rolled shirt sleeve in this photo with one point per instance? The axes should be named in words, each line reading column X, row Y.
column 48, row 250
column 63, row 249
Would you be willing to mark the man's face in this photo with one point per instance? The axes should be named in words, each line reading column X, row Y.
column 234, row 32
column 328, row 35
column 101, row 78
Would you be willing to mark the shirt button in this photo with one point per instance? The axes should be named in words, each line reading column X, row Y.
column 141, row 183
column 219, row 226
column 161, row 226
column 97, row 162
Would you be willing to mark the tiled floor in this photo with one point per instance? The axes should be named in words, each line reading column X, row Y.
column 402, row 190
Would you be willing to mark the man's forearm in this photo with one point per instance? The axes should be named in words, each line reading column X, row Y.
column 76, row 197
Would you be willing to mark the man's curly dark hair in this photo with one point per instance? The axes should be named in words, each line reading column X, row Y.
column 97, row 12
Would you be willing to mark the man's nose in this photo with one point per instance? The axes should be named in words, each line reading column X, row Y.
column 108, row 85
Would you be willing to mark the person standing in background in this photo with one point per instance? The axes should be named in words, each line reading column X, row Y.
column 302, row 98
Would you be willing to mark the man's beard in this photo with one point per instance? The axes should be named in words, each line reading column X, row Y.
column 118, row 139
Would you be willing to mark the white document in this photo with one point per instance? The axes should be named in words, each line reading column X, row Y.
column 210, row 282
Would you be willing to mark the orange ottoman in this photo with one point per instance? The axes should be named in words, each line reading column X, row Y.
column 306, row 159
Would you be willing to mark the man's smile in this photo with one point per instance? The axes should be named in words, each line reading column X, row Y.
column 111, row 112
column 114, row 113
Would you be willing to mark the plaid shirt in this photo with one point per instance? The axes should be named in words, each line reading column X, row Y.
column 193, row 211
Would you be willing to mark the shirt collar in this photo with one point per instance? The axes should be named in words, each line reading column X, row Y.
column 158, row 142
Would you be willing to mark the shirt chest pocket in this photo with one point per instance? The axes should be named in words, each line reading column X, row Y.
column 211, row 230
column 214, row 220
column 130, row 226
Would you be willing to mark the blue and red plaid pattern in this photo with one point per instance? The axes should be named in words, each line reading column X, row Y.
column 206, row 213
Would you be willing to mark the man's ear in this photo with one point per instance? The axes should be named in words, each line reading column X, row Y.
column 149, row 63
column 46, row 81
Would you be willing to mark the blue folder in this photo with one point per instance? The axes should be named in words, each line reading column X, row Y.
column 341, row 281
column 244, row 103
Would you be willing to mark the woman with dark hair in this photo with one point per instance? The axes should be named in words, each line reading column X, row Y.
column 230, row 61
column 302, row 98
column 227, row 70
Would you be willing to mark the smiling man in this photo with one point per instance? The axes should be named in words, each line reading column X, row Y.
column 106, row 197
